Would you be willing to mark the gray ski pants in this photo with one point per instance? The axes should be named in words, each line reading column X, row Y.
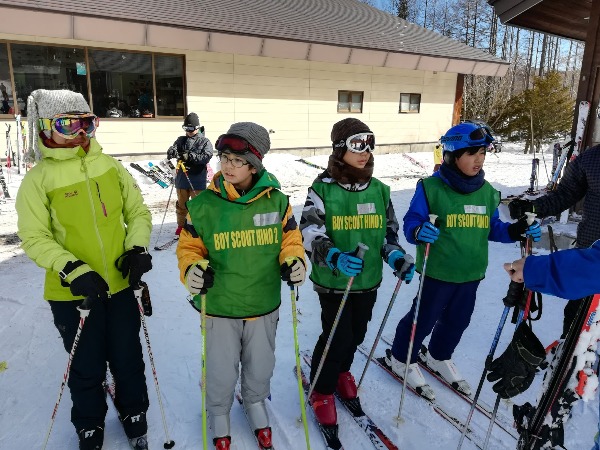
column 229, row 342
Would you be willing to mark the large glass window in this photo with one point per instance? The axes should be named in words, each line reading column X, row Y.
column 6, row 91
column 169, row 85
column 121, row 83
column 42, row 67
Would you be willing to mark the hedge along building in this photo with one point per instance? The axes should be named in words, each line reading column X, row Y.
column 294, row 66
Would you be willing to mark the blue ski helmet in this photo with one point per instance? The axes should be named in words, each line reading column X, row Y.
column 465, row 135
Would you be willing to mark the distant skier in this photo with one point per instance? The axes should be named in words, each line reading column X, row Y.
column 80, row 214
column 347, row 205
column 193, row 152
column 241, row 242
column 468, row 217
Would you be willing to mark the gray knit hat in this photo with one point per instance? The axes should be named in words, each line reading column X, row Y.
column 255, row 135
column 45, row 104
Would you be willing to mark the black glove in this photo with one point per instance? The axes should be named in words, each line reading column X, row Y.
column 89, row 284
column 135, row 263
column 520, row 227
column 518, row 207
column 514, row 295
column 515, row 368
column 172, row 152
column 184, row 156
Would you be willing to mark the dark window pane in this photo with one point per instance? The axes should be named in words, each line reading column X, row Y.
column 343, row 101
column 6, row 90
column 356, row 104
column 43, row 67
column 169, row 85
column 121, row 83
column 415, row 102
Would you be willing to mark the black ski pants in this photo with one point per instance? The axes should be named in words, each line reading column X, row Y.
column 349, row 334
column 110, row 335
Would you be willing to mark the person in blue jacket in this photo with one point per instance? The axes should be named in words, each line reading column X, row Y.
column 466, row 206
column 570, row 274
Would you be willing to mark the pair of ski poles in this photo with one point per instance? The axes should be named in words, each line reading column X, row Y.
column 204, row 265
column 84, row 311
column 488, row 360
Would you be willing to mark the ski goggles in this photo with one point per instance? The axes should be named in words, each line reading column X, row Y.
column 69, row 126
column 358, row 143
column 478, row 137
column 237, row 144
column 190, row 128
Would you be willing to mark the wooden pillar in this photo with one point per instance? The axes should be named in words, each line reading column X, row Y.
column 458, row 98
column 589, row 81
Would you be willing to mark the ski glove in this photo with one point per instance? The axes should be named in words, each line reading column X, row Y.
column 135, row 263
column 90, row 284
column 520, row 227
column 518, row 207
column 346, row 262
column 427, row 233
column 199, row 277
column 172, row 152
column 293, row 271
column 403, row 265
column 515, row 295
column 515, row 368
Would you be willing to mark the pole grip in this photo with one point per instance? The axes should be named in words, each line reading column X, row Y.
column 530, row 217
column 362, row 249
column 432, row 218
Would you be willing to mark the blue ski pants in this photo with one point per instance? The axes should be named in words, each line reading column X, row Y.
column 445, row 312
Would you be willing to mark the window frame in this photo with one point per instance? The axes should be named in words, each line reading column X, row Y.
column 86, row 50
column 410, row 102
column 350, row 93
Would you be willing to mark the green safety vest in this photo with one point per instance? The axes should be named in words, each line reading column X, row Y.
column 353, row 217
column 243, row 242
column 460, row 254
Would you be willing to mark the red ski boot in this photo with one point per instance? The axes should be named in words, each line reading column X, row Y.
column 346, row 386
column 324, row 408
column 222, row 443
column 264, row 437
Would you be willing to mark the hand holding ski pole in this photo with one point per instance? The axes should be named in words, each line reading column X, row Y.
column 290, row 261
column 432, row 218
column 360, row 253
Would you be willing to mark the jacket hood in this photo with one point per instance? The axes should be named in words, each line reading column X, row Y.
column 64, row 153
column 264, row 184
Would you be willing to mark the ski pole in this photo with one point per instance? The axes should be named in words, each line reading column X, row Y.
column 84, row 311
column 488, row 360
column 183, row 168
column 204, row 265
column 385, row 318
column 297, row 354
column 163, row 219
column 138, row 296
column 411, row 342
column 362, row 248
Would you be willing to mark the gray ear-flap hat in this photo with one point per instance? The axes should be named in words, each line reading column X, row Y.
column 45, row 104
column 255, row 135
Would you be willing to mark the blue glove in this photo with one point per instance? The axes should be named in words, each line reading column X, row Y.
column 534, row 230
column 346, row 262
column 427, row 233
column 403, row 265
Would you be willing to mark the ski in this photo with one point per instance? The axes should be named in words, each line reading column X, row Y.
column 503, row 423
column 167, row 244
column 328, row 432
column 458, row 424
column 3, row 184
column 584, row 111
column 165, row 176
column 557, row 166
column 238, row 396
column 150, row 175
column 374, row 433
column 563, row 385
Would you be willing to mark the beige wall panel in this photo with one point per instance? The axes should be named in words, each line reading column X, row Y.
column 193, row 67
column 275, row 48
column 266, row 91
column 284, row 72
column 158, row 36
column 316, row 75
column 109, row 31
column 209, row 57
column 341, row 85
column 271, row 108
column 256, row 80
column 21, row 22
column 345, row 68
column 271, row 62
column 211, row 77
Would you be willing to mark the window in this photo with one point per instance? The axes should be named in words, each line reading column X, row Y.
column 169, row 85
column 410, row 103
column 350, row 102
column 42, row 67
column 6, row 92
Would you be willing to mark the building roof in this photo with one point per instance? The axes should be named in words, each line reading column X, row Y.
column 339, row 23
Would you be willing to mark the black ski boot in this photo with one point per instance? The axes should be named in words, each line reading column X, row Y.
column 139, row 443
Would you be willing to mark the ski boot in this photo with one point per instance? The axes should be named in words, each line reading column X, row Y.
column 445, row 369
column 348, row 393
column 264, row 437
column 324, row 407
column 416, row 380
column 91, row 438
column 258, row 419
column 222, row 443
column 139, row 443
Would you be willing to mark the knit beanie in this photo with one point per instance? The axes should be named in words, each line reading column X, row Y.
column 191, row 120
column 342, row 130
column 45, row 104
column 255, row 135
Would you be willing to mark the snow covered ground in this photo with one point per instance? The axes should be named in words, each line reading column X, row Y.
column 32, row 358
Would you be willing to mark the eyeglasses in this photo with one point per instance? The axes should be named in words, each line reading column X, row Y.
column 236, row 144
column 358, row 143
column 235, row 162
column 70, row 125
column 190, row 128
